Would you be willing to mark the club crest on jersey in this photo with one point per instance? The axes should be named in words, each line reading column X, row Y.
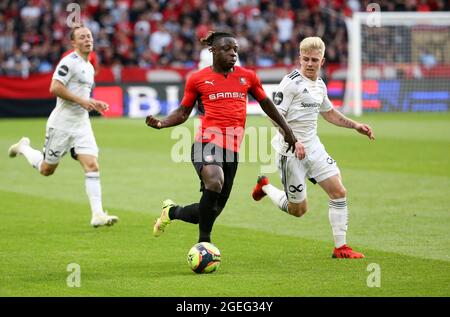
column 242, row 80
column 63, row 70
column 278, row 98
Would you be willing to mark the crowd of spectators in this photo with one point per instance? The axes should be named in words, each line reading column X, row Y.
column 158, row 33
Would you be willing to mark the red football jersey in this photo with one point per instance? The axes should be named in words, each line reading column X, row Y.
column 224, row 100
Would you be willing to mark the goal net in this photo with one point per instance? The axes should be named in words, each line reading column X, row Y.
column 398, row 61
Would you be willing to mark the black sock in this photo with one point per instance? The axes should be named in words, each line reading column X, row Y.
column 188, row 213
column 207, row 208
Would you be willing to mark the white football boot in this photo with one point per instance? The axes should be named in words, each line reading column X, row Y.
column 14, row 149
column 103, row 220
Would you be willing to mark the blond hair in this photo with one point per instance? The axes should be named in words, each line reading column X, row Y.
column 311, row 44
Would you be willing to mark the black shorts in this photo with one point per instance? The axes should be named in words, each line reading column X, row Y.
column 210, row 154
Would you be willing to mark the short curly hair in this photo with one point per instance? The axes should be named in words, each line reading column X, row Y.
column 212, row 37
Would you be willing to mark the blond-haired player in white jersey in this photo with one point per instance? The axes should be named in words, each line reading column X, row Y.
column 300, row 97
column 68, row 127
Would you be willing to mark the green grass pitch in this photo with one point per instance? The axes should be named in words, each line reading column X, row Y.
column 398, row 196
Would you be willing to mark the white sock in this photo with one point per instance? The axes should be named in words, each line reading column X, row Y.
column 277, row 196
column 34, row 157
column 94, row 192
column 338, row 215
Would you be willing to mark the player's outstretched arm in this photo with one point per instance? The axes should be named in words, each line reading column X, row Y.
column 269, row 108
column 176, row 117
column 58, row 89
column 335, row 117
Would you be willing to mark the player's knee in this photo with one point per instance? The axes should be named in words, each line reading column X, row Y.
column 339, row 193
column 91, row 166
column 215, row 184
column 298, row 210
column 47, row 171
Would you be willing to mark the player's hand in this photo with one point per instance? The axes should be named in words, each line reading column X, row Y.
column 290, row 139
column 88, row 104
column 100, row 106
column 299, row 150
column 366, row 130
column 153, row 122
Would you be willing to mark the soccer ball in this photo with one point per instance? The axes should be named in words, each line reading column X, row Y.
column 204, row 257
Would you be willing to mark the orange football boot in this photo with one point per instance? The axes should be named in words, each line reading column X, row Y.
column 345, row 252
column 258, row 192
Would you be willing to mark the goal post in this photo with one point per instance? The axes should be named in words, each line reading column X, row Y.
column 398, row 61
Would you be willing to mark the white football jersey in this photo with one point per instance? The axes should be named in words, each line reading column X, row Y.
column 77, row 75
column 300, row 100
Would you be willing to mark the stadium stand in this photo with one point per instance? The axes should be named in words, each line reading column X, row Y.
column 150, row 33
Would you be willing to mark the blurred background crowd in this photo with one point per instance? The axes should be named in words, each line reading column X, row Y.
column 152, row 33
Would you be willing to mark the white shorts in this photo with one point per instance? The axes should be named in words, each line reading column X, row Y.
column 316, row 166
column 58, row 142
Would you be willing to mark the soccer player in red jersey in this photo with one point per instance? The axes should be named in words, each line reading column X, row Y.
column 221, row 90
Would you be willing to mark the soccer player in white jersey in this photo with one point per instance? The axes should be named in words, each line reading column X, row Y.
column 300, row 97
column 68, row 127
